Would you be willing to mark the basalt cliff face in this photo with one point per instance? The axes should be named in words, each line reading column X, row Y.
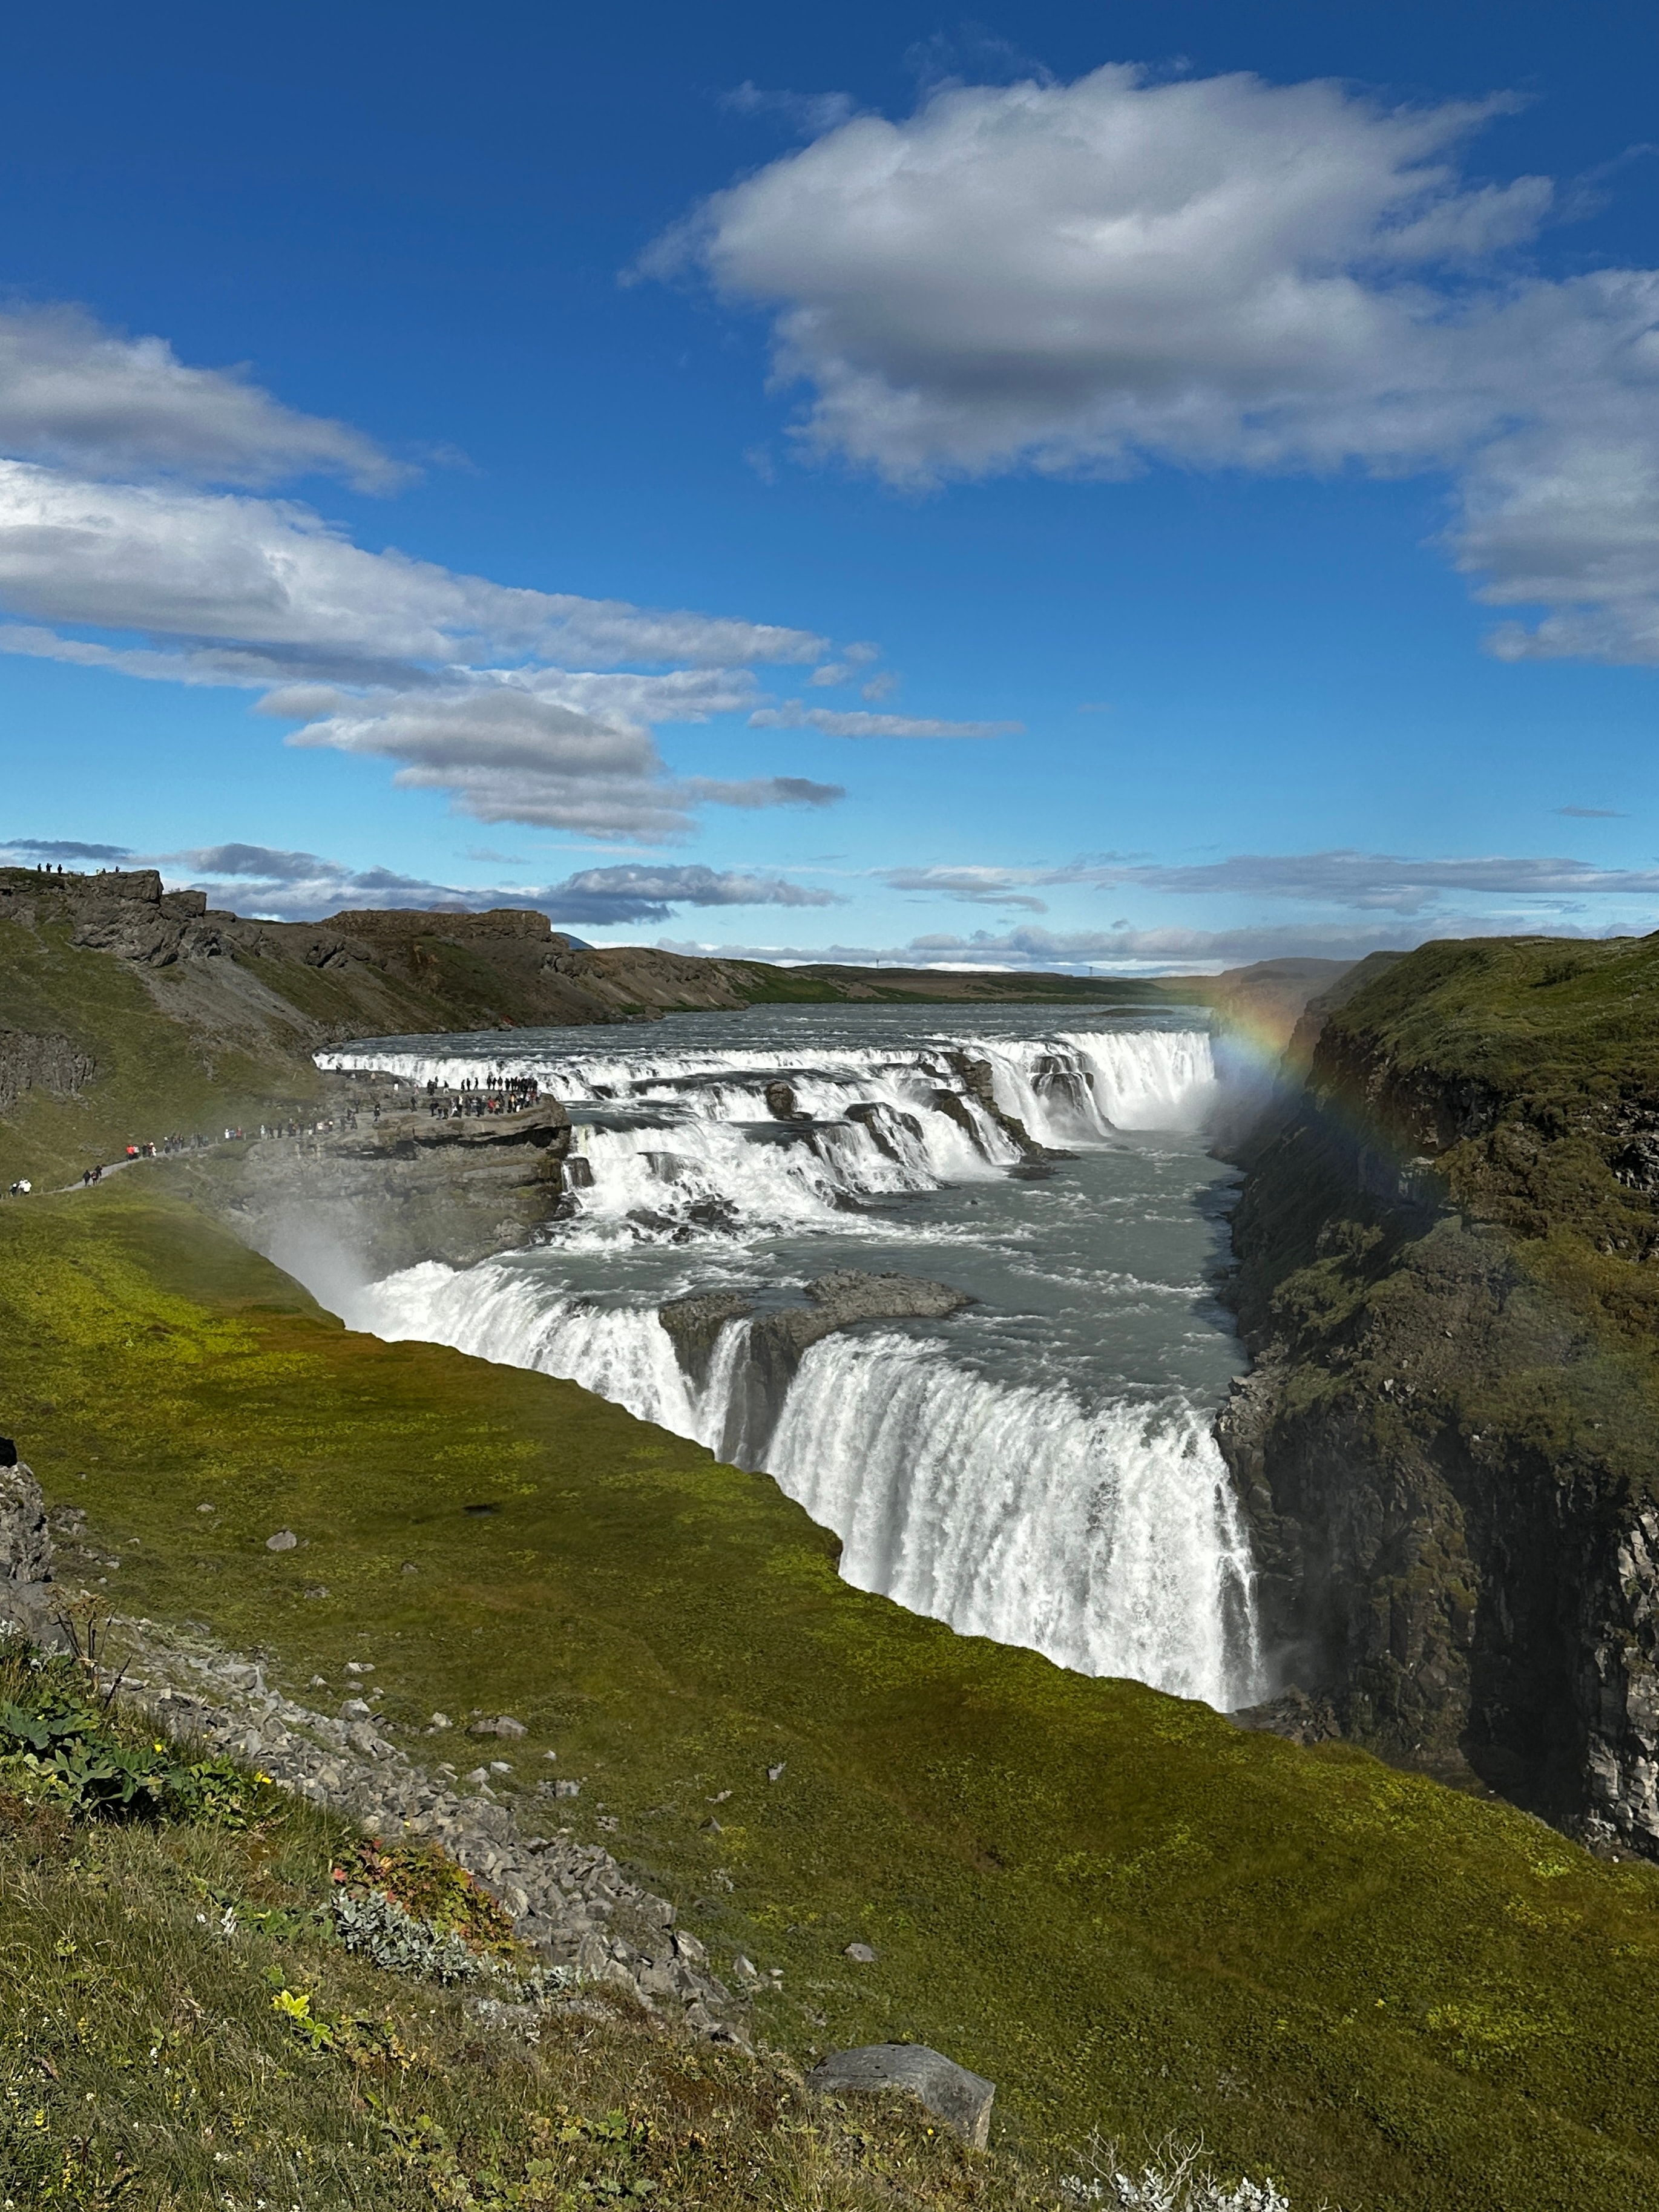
column 1449, row 1442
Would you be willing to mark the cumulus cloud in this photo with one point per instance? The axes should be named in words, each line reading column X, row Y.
column 101, row 402
column 1217, row 272
column 299, row 886
column 793, row 714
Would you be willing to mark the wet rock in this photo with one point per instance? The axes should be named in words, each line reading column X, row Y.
column 780, row 1103
column 695, row 1324
column 950, row 2092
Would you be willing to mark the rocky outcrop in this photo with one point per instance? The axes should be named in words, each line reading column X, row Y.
column 978, row 1081
column 29, row 1599
column 571, row 1902
column 55, row 1065
column 396, row 1191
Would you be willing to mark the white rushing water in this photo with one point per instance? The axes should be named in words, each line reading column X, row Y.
column 1039, row 1470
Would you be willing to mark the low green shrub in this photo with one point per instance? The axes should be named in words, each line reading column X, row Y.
column 61, row 1744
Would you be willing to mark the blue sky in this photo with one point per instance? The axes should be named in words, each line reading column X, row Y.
column 1136, row 486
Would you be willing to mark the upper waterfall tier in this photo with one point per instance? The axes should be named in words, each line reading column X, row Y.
column 672, row 1145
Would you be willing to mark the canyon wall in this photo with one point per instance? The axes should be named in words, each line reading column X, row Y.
column 1448, row 1446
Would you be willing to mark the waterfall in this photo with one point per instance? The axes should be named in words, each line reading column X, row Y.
column 1110, row 1541
column 1091, row 1523
column 674, row 1144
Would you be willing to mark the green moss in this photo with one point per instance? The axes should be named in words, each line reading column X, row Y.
column 1127, row 1913
column 177, row 2030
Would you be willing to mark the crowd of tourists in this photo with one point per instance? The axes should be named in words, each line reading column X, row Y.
column 497, row 1094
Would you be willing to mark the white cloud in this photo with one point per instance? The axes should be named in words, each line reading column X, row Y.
column 563, row 751
column 115, row 520
column 1383, row 882
column 297, row 886
column 295, row 597
column 98, row 401
column 1086, row 277
column 978, row 886
column 793, row 714
column 806, row 113
column 1124, row 949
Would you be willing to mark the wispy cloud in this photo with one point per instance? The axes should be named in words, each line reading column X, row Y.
column 1124, row 949
column 134, row 539
column 793, row 714
column 304, row 886
column 1386, row 882
column 99, row 402
column 63, row 848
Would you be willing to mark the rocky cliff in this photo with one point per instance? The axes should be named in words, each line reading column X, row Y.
column 1446, row 1246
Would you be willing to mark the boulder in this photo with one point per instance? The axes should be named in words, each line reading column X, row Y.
column 24, row 1541
column 950, row 2092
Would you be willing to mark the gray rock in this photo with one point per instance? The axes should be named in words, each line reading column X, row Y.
column 950, row 2092
column 24, row 1541
column 1294, row 1715
column 861, row 1954
column 695, row 1322
column 283, row 1540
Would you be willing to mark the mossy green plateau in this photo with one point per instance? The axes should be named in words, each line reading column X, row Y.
column 1129, row 1914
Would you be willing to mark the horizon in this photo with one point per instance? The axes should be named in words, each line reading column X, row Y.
column 853, row 493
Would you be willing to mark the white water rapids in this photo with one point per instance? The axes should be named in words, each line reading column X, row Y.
column 1039, row 1469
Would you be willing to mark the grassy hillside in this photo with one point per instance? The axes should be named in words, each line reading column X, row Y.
column 180, row 2026
column 1127, row 1913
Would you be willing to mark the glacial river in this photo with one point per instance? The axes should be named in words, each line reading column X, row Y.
column 1039, row 1467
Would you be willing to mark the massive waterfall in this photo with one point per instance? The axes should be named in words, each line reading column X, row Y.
column 1041, row 1471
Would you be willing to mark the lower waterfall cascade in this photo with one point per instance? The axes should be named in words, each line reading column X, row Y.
column 1039, row 1469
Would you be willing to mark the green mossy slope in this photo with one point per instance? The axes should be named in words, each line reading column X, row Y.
column 179, row 2031
column 1127, row 1913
